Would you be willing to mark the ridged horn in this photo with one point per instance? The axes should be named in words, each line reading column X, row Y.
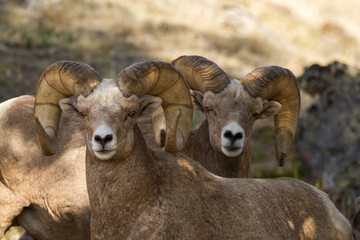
column 161, row 79
column 277, row 84
column 159, row 126
column 202, row 74
column 60, row 80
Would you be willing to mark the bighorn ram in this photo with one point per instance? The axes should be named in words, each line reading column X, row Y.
column 45, row 195
column 222, row 143
column 44, row 203
column 139, row 193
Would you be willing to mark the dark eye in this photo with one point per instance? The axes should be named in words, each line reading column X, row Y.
column 256, row 115
column 132, row 114
column 208, row 109
column 83, row 115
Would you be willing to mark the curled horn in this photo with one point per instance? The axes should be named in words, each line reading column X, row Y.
column 278, row 84
column 161, row 79
column 202, row 74
column 60, row 80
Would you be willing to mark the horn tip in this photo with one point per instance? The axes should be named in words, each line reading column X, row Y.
column 175, row 141
column 281, row 159
column 44, row 140
column 162, row 137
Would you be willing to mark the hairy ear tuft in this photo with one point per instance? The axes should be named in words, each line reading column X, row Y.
column 148, row 106
column 270, row 108
column 68, row 106
column 197, row 99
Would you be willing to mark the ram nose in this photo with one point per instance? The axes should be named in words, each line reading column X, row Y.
column 233, row 136
column 232, row 139
column 103, row 140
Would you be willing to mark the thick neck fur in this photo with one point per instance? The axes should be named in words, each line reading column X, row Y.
column 119, row 189
column 146, row 196
column 215, row 161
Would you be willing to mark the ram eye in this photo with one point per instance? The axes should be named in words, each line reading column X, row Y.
column 256, row 115
column 132, row 114
column 83, row 115
column 208, row 109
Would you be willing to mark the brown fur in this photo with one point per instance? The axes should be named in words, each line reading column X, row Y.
column 154, row 195
column 45, row 195
column 141, row 193
column 199, row 148
column 158, row 194
column 233, row 104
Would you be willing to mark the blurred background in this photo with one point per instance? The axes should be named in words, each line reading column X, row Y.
column 318, row 41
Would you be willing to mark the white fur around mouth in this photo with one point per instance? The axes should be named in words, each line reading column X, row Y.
column 104, row 154
column 231, row 151
column 231, row 148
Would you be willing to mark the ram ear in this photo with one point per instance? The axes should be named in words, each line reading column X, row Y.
column 69, row 106
column 270, row 109
column 197, row 99
column 149, row 106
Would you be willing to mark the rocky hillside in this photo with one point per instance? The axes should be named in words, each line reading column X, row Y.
column 329, row 131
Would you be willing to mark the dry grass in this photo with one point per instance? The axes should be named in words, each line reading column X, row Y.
column 109, row 35
column 237, row 34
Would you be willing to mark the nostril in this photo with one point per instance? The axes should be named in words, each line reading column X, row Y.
column 228, row 134
column 97, row 138
column 239, row 135
column 233, row 137
column 108, row 138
